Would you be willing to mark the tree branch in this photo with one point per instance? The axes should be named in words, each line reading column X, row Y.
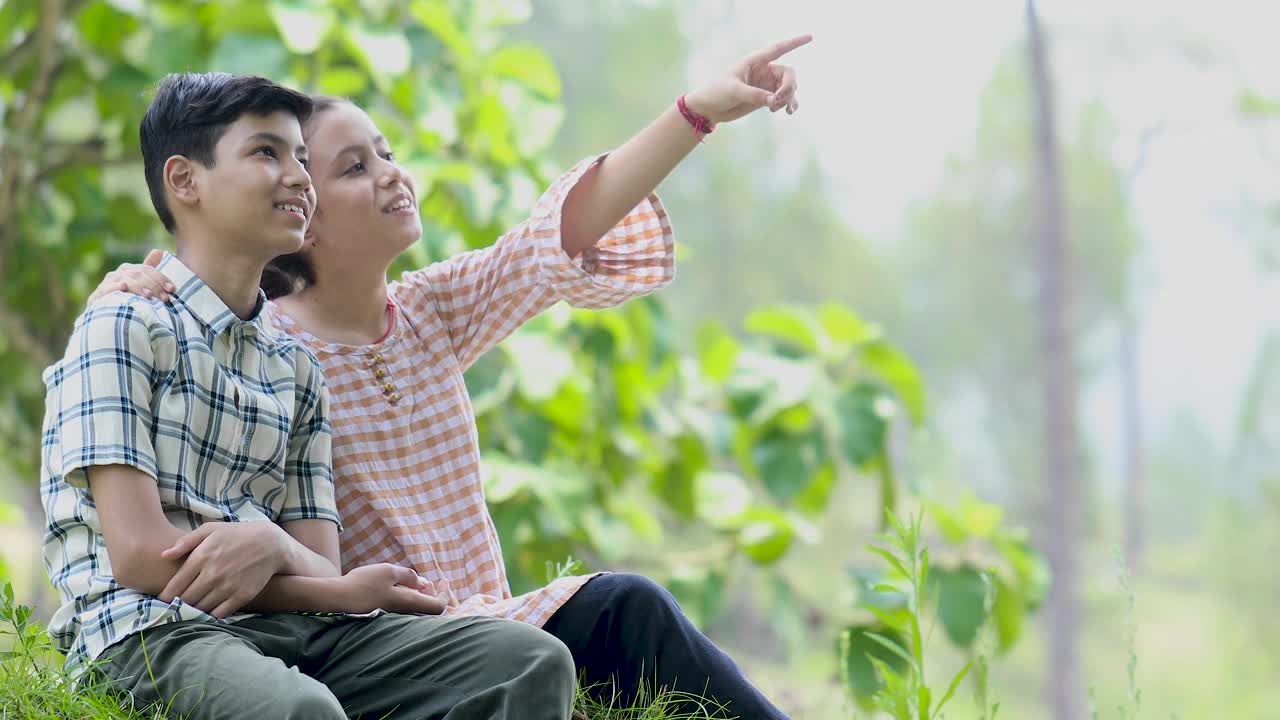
column 48, row 61
column 23, row 340
column 88, row 152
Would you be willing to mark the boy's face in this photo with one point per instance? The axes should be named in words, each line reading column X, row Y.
column 258, row 196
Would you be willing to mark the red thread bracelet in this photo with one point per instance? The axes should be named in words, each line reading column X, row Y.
column 700, row 123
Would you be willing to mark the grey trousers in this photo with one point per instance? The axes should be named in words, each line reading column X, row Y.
column 305, row 666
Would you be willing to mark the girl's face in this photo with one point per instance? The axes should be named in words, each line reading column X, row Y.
column 367, row 204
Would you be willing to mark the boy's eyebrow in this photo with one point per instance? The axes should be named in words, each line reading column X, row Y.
column 274, row 139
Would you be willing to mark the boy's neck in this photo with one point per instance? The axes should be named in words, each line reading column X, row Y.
column 232, row 277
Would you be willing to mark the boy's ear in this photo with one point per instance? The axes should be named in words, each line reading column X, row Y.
column 180, row 180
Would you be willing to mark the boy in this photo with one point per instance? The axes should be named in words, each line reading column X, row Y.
column 186, row 471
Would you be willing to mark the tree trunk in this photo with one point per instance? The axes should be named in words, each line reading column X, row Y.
column 1057, row 351
column 1135, row 497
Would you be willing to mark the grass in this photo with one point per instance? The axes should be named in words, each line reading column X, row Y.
column 34, row 685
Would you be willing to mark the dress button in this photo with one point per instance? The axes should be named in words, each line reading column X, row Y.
column 393, row 398
column 387, row 388
column 377, row 358
column 379, row 372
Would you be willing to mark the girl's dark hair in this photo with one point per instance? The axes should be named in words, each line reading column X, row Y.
column 290, row 273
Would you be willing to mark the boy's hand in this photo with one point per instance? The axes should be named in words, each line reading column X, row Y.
column 138, row 279
column 226, row 565
column 389, row 587
column 755, row 82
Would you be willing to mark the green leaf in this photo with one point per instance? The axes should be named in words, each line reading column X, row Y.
column 530, row 66
column 1252, row 103
column 541, row 365
column 892, row 559
column 765, row 535
column 384, row 52
column 243, row 54
column 790, row 325
column 896, row 369
column 858, row 649
column 721, row 498
column 893, row 647
column 436, row 16
column 1029, row 567
column 862, row 427
column 955, row 684
column 10, row 514
column 842, row 324
column 962, row 593
column 302, row 24
column 491, row 13
column 343, row 81
column 489, row 383
column 1010, row 611
column 787, row 464
column 104, row 27
column 717, row 351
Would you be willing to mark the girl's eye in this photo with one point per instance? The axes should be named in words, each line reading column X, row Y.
column 357, row 168
column 389, row 156
column 265, row 150
column 306, row 163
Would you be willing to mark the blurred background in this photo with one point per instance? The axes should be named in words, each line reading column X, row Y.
column 1016, row 265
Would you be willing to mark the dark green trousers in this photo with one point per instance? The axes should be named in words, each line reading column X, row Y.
column 302, row 666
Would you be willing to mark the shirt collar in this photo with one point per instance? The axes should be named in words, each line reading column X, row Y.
column 205, row 305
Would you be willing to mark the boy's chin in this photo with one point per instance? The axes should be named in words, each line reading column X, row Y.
column 287, row 244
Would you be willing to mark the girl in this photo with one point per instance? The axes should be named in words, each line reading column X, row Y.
column 405, row 451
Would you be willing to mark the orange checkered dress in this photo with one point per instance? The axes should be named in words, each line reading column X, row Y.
column 406, row 454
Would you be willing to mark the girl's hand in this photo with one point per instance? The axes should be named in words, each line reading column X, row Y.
column 138, row 279
column 389, row 587
column 755, row 82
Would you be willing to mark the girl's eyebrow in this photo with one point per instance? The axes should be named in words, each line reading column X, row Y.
column 357, row 147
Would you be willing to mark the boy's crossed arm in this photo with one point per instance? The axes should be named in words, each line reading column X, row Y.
column 218, row 568
column 253, row 566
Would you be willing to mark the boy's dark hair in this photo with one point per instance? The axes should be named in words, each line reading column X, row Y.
column 191, row 111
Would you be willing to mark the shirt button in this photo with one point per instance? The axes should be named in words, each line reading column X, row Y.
column 379, row 372
column 393, row 398
column 387, row 388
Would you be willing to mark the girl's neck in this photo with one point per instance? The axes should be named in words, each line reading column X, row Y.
column 346, row 310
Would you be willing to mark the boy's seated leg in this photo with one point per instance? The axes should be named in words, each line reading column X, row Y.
column 434, row 666
column 199, row 670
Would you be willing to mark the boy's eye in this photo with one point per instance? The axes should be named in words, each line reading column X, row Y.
column 265, row 150
column 389, row 156
column 358, row 167
column 306, row 163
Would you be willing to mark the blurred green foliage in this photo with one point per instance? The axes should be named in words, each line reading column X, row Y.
column 603, row 438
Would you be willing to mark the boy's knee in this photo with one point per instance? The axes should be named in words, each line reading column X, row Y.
column 525, row 646
column 313, row 701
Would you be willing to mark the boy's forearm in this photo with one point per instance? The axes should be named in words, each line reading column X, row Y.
column 611, row 189
column 137, row 563
column 298, row 559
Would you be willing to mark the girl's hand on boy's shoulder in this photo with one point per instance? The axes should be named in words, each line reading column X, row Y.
column 389, row 587
column 136, row 279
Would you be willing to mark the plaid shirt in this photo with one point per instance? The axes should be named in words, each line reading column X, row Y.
column 230, row 417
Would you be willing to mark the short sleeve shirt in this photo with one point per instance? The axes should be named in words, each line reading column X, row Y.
column 229, row 416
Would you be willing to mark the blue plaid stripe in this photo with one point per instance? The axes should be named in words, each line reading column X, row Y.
column 230, row 417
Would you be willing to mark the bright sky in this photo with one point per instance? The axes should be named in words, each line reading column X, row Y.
column 889, row 89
